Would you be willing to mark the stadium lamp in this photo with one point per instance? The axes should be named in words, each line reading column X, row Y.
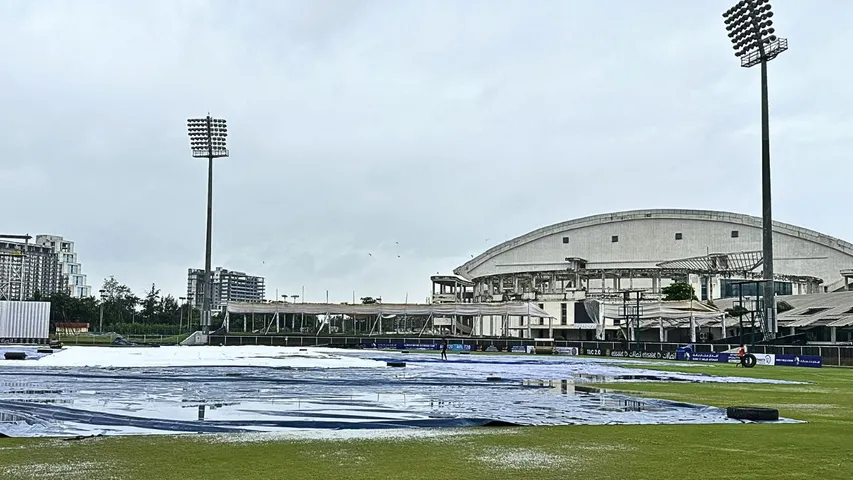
column 207, row 140
column 103, row 294
column 754, row 40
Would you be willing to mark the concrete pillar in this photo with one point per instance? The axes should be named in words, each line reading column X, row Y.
column 661, row 331
column 692, row 328
column 551, row 327
column 833, row 331
column 603, row 281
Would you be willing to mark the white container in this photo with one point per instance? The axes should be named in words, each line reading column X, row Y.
column 24, row 322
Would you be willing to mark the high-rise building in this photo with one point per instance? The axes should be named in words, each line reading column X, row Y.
column 69, row 263
column 228, row 286
column 27, row 270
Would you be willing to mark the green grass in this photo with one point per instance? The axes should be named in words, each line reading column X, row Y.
column 820, row 449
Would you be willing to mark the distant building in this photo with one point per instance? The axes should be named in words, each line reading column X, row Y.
column 69, row 263
column 72, row 328
column 27, row 269
column 228, row 286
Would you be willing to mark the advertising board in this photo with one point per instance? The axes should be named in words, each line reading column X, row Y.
column 812, row 361
column 599, row 352
column 566, row 350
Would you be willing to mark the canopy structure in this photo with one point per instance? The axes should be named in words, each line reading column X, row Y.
column 516, row 309
column 656, row 310
column 737, row 262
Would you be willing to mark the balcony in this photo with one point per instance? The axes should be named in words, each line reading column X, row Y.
column 444, row 298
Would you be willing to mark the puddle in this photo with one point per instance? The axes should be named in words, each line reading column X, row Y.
column 476, row 391
column 631, row 378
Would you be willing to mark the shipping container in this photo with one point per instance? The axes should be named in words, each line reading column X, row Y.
column 24, row 322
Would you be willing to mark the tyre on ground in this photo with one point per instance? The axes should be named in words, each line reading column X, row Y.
column 755, row 414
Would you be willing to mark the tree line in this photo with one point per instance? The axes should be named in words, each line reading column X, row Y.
column 125, row 312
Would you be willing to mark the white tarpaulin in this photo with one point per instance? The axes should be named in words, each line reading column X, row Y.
column 657, row 310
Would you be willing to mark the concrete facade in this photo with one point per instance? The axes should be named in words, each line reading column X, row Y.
column 228, row 286
column 641, row 239
column 27, row 270
column 72, row 269
column 561, row 266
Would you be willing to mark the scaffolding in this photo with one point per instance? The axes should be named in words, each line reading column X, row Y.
column 460, row 317
column 13, row 261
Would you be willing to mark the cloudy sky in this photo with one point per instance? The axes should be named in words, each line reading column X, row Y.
column 375, row 143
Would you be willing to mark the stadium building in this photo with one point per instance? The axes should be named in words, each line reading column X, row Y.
column 594, row 274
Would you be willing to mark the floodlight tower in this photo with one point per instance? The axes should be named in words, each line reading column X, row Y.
column 752, row 34
column 207, row 140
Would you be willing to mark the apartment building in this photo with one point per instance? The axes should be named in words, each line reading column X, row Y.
column 228, row 286
column 69, row 263
column 27, row 270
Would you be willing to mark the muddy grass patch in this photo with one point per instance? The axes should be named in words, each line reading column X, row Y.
column 444, row 435
column 516, row 458
column 64, row 470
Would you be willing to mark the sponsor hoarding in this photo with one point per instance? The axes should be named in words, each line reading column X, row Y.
column 813, row 361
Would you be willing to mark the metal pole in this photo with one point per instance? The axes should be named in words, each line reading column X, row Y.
column 637, row 328
column 208, row 283
column 740, row 317
column 101, row 327
column 767, row 212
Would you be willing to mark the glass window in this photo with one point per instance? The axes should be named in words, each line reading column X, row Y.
column 614, row 238
column 678, row 236
column 565, row 239
column 563, row 314
column 735, row 234
column 731, row 289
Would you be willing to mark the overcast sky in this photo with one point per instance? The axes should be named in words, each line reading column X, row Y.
column 375, row 143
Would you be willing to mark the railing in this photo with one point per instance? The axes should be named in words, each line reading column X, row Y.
column 107, row 339
column 832, row 355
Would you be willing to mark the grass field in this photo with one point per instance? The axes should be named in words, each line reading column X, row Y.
column 820, row 449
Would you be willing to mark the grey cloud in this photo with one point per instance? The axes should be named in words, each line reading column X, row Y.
column 355, row 125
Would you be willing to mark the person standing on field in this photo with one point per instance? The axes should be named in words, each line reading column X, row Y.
column 741, row 355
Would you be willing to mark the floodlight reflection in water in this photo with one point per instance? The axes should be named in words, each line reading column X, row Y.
column 56, row 401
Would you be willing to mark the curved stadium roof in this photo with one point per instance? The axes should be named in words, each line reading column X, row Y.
column 676, row 214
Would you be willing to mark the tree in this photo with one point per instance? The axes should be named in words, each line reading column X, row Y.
column 678, row 291
column 151, row 303
column 120, row 302
column 67, row 309
column 169, row 310
column 737, row 311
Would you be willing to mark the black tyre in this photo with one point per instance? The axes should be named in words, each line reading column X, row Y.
column 749, row 360
column 755, row 414
column 15, row 356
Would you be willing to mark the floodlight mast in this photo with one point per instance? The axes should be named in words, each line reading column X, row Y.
column 753, row 37
column 207, row 140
